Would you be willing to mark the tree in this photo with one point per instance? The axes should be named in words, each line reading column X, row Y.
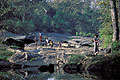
column 119, row 9
column 114, row 15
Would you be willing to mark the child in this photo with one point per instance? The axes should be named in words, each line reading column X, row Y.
column 59, row 44
column 51, row 43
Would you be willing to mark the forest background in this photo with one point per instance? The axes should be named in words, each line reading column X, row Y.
column 76, row 17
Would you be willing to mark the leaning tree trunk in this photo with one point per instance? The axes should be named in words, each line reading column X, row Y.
column 114, row 15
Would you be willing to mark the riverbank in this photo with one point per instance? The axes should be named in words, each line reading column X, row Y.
column 101, row 67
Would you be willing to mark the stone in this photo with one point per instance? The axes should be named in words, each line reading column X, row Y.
column 65, row 45
column 18, row 41
column 77, row 46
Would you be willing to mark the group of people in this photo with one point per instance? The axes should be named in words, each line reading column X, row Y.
column 95, row 40
column 47, row 41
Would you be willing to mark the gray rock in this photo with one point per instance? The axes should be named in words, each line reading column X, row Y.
column 65, row 45
column 77, row 46
column 23, row 57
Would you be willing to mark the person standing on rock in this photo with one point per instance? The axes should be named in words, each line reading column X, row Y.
column 96, row 44
column 40, row 37
column 59, row 44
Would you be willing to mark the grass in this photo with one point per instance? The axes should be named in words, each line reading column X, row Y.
column 5, row 54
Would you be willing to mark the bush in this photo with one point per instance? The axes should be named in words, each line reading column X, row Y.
column 5, row 54
column 116, row 47
column 77, row 34
column 106, row 33
column 84, row 34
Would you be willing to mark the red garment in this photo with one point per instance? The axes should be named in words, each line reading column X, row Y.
column 40, row 36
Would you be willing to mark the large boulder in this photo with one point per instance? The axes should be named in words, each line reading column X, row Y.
column 18, row 41
column 29, row 58
column 15, row 42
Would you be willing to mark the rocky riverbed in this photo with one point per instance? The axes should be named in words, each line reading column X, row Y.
column 71, row 45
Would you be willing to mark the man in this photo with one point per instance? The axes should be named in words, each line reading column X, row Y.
column 96, row 44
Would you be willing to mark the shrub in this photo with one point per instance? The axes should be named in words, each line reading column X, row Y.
column 116, row 47
column 5, row 54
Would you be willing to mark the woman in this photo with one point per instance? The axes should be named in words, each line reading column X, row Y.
column 96, row 44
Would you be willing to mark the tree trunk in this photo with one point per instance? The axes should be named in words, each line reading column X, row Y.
column 119, row 11
column 114, row 15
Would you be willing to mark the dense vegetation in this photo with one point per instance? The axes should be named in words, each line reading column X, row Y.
column 63, row 16
column 78, row 17
column 5, row 54
column 106, row 30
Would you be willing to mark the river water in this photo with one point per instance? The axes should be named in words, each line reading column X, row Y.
column 33, row 73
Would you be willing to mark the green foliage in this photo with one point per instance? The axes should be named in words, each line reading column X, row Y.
column 86, row 34
column 21, row 16
column 5, row 54
column 76, row 33
column 116, row 47
column 76, row 58
column 106, row 35
column 106, row 30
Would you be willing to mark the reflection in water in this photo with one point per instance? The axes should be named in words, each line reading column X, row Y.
column 38, row 73
column 49, row 72
column 51, row 79
column 47, row 68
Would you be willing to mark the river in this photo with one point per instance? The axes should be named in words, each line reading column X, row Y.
column 33, row 73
